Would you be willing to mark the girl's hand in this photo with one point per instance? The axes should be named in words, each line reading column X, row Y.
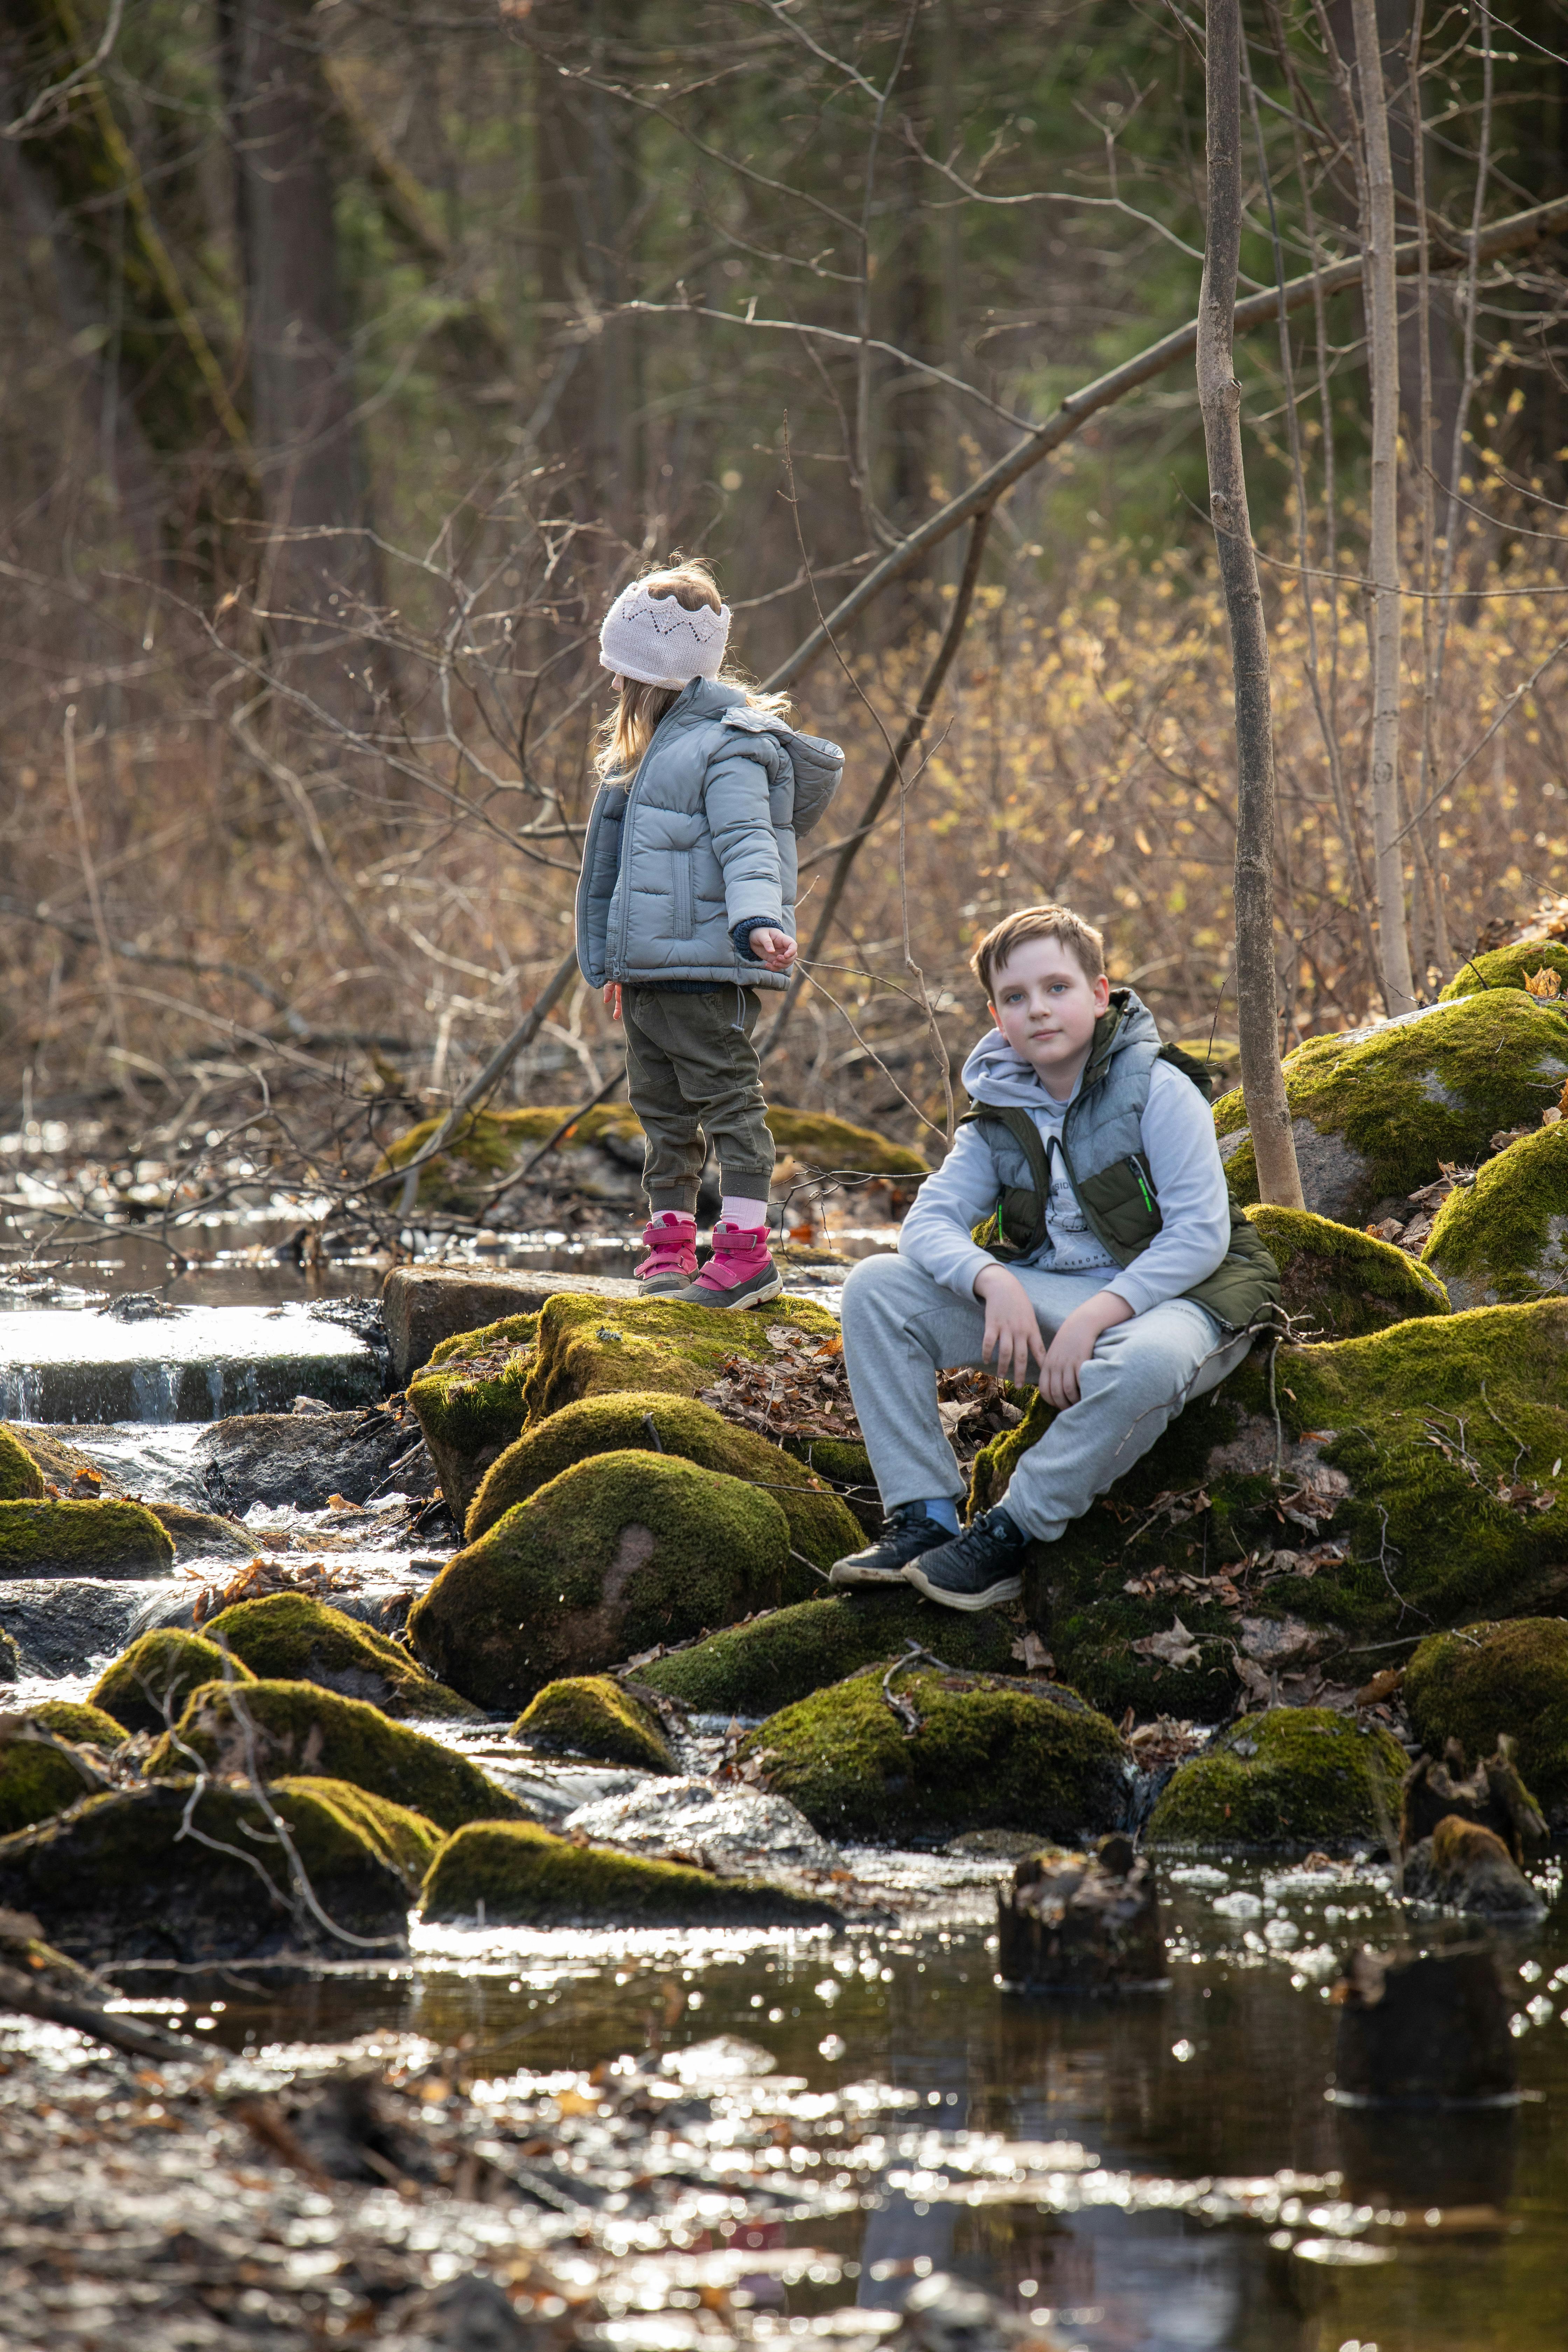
column 1012, row 1327
column 776, row 949
column 612, row 998
column 1074, row 1343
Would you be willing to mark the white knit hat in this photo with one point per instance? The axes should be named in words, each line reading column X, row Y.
column 656, row 641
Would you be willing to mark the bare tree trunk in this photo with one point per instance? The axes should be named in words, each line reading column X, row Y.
column 1219, row 397
column 1383, row 357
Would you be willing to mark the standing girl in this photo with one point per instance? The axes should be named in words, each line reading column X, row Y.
column 686, row 913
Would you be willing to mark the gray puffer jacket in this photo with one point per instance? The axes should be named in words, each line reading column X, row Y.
column 703, row 837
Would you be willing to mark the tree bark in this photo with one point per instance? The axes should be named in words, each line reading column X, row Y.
column 1382, row 355
column 1219, row 397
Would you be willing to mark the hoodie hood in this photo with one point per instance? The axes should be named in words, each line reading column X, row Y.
column 995, row 1075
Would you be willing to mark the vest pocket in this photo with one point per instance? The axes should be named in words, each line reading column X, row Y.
column 681, row 915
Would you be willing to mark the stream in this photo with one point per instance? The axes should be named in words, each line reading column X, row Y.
column 1164, row 2173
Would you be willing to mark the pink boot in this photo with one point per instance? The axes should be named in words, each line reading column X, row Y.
column 740, row 1272
column 670, row 1240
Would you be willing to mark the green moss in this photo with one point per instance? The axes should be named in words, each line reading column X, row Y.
column 1297, row 1776
column 21, row 1480
column 142, row 1873
column 407, row 1840
column 78, row 1719
column 111, row 1539
column 1505, row 1237
column 590, row 1715
column 757, row 1668
column 1341, row 1283
column 159, row 1670
column 515, row 1875
column 10, row 1658
column 989, row 1754
column 60, row 1463
column 819, row 1525
column 1507, row 968
column 469, row 1400
column 36, row 1781
column 301, row 1728
column 1470, row 1684
column 818, row 1142
column 289, row 1638
column 618, row 1554
column 203, row 1535
column 588, row 1350
column 1416, row 1093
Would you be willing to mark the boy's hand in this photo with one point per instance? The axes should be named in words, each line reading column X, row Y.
column 1074, row 1345
column 1012, row 1327
column 774, row 949
column 612, row 998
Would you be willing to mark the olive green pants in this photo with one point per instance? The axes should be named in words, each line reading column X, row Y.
column 693, row 1077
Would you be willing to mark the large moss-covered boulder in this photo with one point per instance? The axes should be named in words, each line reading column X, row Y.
column 518, row 1875
column 407, row 1840
column 297, row 1727
column 1505, row 1237
column 143, row 1875
column 618, row 1554
column 1338, row 1282
column 468, row 1400
column 21, row 1480
column 955, row 1752
column 146, row 1687
column 37, row 1779
column 1299, row 1776
column 1482, row 1679
column 288, row 1637
column 756, row 1668
column 1508, row 966
column 586, row 1350
column 590, row 1715
column 1374, row 1112
column 98, row 1539
column 1200, row 1556
column 819, row 1525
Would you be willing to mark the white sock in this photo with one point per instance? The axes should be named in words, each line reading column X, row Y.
column 944, row 1510
column 734, row 1209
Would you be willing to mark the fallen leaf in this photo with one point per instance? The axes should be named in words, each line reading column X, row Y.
column 1033, row 1655
column 1176, row 1648
column 1277, row 1641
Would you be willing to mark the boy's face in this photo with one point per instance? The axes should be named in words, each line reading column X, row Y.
column 1046, row 1006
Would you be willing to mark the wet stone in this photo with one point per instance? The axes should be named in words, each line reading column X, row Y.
column 1081, row 1923
column 1428, row 2032
column 306, row 1458
column 1467, row 1867
column 60, row 1623
column 738, row 1832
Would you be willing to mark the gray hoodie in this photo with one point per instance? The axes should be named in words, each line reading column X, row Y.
column 1179, row 1144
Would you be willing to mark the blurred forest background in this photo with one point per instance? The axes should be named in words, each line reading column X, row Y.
column 353, row 354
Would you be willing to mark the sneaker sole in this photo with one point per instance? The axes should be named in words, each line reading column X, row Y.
column 745, row 1293
column 842, row 1575
column 1006, row 1588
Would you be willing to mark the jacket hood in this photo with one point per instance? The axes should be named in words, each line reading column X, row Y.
column 994, row 1074
column 818, row 765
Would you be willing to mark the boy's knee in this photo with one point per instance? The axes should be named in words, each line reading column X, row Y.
column 885, row 1283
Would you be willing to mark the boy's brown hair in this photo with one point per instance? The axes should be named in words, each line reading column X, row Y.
column 1079, row 939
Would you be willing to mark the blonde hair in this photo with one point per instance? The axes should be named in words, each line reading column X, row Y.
column 628, row 729
column 1080, row 939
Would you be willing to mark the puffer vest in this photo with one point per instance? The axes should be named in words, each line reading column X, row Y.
column 1101, row 1147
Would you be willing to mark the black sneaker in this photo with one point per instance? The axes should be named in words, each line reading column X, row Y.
column 976, row 1570
column 906, row 1533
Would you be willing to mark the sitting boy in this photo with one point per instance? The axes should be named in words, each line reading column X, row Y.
column 1081, row 1223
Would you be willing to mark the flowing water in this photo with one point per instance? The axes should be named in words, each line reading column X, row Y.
column 1163, row 2173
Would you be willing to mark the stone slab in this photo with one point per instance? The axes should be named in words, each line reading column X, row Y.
column 424, row 1305
column 199, row 1363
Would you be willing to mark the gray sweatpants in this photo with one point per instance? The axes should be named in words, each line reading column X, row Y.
column 901, row 1328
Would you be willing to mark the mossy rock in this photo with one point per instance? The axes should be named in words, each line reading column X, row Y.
column 159, row 1671
column 1507, row 968
column 588, row 1350
column 78, row 1719
column 203, row 1535
column 490, row 1142
column 1485, row 1678
column 36, row 1781
column 21, row 1480
column 1299, row 1776
column 1505, row 1237
column 515, row 1875
column 820, row 1527
column 301, row 1728
column 590, row 1715
column 1340, row 1283
column 989, row 1754
column 407, row 1840
column 1425, row 1540
column 1375, row 1113
column 98, row 1539
column 129, row 1877
column 468, row 1400
column 618, row 1554
column 757, row 1668
column 10, row 1657
column 287, row 1637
